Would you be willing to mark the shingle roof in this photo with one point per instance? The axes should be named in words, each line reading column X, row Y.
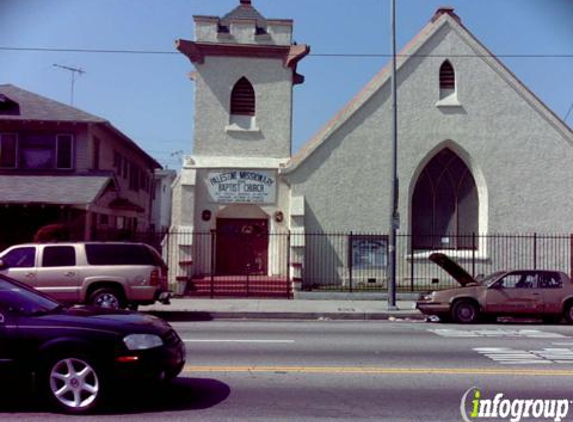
column 35, row 107
column 18, row 104
column 245, row 11
column 69, row 190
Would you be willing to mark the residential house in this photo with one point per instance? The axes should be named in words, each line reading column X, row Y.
column 161, row 209
column 61, row 165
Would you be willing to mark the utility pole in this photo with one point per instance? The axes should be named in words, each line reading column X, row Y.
column 394, row 190
column 73, row 71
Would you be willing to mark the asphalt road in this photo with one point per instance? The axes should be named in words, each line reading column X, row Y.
column 336, row 370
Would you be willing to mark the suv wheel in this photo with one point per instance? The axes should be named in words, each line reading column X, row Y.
column 106, row 297
column 465, row 312
column 72, row 383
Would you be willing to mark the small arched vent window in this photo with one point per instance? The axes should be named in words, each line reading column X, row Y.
column 243, row 98
column 447, row 80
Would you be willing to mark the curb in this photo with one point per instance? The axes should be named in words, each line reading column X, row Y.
column 187, row 316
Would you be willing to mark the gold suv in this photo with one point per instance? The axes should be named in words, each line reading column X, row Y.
column 528, row 293
column 106, row 274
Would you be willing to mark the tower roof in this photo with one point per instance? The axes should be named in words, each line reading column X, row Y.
column 244, row 11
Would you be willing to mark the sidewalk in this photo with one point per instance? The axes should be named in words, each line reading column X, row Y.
column 335, row 307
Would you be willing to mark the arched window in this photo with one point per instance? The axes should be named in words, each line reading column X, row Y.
column 447, row 80
column 445, row 204
column 243, row 98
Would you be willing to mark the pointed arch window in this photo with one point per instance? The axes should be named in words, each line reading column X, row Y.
column 243, row 98
column 445, row 205
column 447, row 80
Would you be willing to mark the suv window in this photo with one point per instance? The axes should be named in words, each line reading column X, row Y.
column 20, row 257
column 119, row 255
column 59, row 256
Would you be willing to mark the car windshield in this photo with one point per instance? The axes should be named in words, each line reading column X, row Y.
column 25, row 300
column 490, row 278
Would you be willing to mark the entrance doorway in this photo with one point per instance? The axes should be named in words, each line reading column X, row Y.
column 242, row 246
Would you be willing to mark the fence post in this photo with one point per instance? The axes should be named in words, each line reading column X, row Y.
column 534, row 251
column 473, row 254
column 248, row 272
column 351, row 257
column 289, row 287
column 411, row 240
column 212, row 284
column 571, row 254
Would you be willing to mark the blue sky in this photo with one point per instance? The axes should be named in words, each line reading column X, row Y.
column 150, row 98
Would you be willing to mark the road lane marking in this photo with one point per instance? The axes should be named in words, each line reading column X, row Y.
column 380, row 370
column 235, row 341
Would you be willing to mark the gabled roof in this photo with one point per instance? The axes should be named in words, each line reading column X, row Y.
column 35, row 107
column 17, row 104
column 444, row 16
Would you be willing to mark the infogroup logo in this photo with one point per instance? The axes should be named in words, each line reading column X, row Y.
column 475, row 407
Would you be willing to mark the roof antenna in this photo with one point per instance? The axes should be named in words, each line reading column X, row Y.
column 73, row 71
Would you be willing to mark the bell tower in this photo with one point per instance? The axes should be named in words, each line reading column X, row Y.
column 245, row 71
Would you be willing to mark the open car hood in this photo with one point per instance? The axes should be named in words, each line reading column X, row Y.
column 452, row 268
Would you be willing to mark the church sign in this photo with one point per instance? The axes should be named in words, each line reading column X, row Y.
column 242, row 187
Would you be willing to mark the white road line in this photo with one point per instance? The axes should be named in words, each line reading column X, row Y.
column 235, row 341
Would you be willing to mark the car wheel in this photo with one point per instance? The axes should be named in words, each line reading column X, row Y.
column 568, row 313
column 465, row 312
column 73, row 384
column 107, row 298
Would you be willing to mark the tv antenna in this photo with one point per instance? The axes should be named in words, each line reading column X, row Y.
column 73, row 71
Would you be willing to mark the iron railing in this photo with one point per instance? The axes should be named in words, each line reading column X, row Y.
column 349, row 261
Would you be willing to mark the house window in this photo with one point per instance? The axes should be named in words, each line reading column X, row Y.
column 125, row 168
column 96, row 151
column 64, row 151
column 243, row 98
column 46, row 152
column 447, row 80
column 8, row 152
column 134, row 177
column 445, row 205
column 117, row 164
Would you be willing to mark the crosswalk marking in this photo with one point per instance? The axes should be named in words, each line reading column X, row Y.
column 510, row 356
column 495, row 333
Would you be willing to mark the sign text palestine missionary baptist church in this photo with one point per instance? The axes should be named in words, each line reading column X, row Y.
column 242, row 186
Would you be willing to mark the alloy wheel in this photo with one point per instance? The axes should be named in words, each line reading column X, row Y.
column 107, row 300
column 74, row 383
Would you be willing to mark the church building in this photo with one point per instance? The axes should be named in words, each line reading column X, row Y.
column 478, row 153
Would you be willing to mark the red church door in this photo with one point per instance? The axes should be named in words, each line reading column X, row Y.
column 242, row 246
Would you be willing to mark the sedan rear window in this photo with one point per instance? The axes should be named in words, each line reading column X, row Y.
column 102, row 254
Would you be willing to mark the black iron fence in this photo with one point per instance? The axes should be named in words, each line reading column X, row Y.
column 358, row 262
column 247, row 262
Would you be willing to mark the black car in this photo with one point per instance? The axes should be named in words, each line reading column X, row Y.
column 76, row 354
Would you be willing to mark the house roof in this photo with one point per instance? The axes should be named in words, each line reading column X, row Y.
column 17, row 104
column 35, row 107
column 443, row 16
column 56, row 190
